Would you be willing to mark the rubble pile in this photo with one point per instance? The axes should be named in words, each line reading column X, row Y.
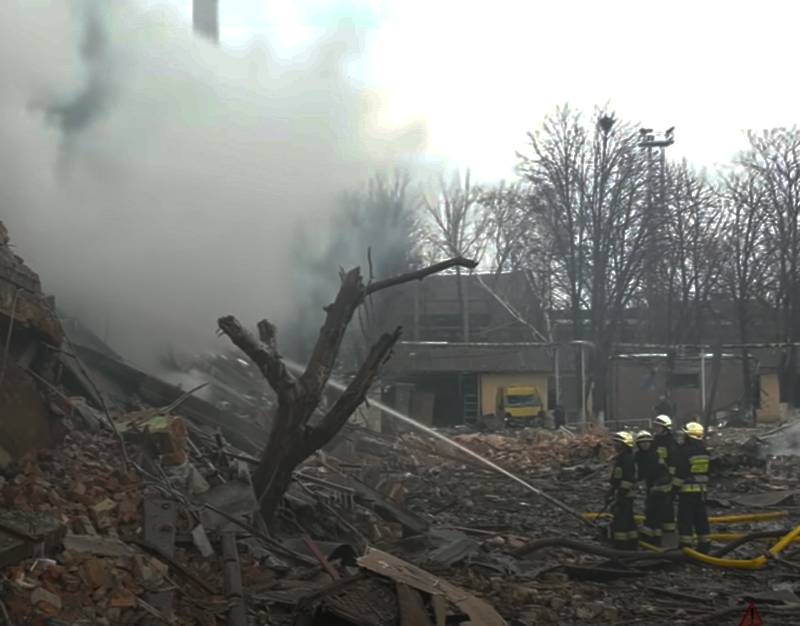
column 526, row 449
column 478, row 525
column 80, row 489
column 31, row 336
column 394, row 529
column 145, row 513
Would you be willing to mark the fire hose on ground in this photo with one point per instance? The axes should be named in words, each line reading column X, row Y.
column 719, row 519
column 756, row 563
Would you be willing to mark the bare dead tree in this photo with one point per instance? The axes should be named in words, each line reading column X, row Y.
column 292, row 437
column 591, row 183
column 687, row 272
column 745, row 272
column 518, row 247
column 458, row 227
column 774, row 160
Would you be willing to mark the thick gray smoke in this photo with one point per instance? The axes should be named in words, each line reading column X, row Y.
column 154, row 181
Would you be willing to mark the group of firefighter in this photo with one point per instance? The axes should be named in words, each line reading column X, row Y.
column 670, row 469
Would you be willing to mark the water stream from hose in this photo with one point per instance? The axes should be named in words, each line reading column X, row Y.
column 297, row 368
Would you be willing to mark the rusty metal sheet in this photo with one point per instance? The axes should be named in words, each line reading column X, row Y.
column 384, row 564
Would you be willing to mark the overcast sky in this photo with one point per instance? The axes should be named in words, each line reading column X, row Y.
column 481, row 74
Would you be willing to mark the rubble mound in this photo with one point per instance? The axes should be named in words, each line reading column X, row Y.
column 31, row 336
column 520, row 451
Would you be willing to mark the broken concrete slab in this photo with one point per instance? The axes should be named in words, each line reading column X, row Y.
column 201, row 542
column 96, row 545
column 33, row 527
column 13, row 549
column 234, row 498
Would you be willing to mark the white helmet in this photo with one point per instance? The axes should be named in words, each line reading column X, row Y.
column 663, row 420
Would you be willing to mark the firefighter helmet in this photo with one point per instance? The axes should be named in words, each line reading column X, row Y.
column 643, row 435
column 694, row 430
column 663, row 420
column 623, row 437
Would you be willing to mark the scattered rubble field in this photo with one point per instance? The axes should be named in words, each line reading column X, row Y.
column 374, row 531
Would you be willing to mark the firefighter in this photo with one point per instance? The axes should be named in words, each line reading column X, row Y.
column 621, row 493
column 665, row 446
column 692, row 476
column 658, row 487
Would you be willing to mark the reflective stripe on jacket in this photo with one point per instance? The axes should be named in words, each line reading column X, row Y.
column 692, row 467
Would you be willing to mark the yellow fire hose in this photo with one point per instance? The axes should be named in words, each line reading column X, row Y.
column 735, row 536
column 748, row 564
column 751, row 564
column 719, row 519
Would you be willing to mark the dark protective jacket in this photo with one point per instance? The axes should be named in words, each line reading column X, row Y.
column 666, row 447
column 664, row 444
column 623, row 475
column 691, row 468
column 651, row 470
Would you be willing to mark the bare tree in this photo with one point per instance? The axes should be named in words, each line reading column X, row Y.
column 688, row 271
column 292, row 437
column 375, row 226
column 518, row 246
column 746, row 254
column 590, row 182
column 458, row 227
column 774, row 160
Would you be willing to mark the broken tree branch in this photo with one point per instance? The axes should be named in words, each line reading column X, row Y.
column 291, row 440
column 262, row 353
column 355, row 393
column 420, row 274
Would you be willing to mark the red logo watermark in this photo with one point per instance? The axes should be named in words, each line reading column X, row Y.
column 751, row 616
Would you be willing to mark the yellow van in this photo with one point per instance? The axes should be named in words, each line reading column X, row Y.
column 520, row 405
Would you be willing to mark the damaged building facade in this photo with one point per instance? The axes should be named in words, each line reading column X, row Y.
column 459, row 348
column 464, row 341
column 31, row 340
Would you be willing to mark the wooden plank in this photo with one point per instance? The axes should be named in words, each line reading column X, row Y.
column 384, row 564
column 440, row 610
column 237, row 612
column 412, row 610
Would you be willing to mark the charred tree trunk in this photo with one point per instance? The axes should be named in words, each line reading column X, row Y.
column 292, row 438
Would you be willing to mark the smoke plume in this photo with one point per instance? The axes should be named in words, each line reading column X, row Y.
column 154, row 181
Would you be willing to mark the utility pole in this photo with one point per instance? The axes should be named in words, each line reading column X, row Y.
column 583, row 345
column 656, row 219
column 205, row 19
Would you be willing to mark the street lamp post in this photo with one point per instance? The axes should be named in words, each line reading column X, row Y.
column 583, row 344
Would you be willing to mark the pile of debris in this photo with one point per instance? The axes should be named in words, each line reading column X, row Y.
column 88, row 541
column 31, row 336
column 519, row 451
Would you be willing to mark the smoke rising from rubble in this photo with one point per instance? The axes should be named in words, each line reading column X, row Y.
column 154, row 180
